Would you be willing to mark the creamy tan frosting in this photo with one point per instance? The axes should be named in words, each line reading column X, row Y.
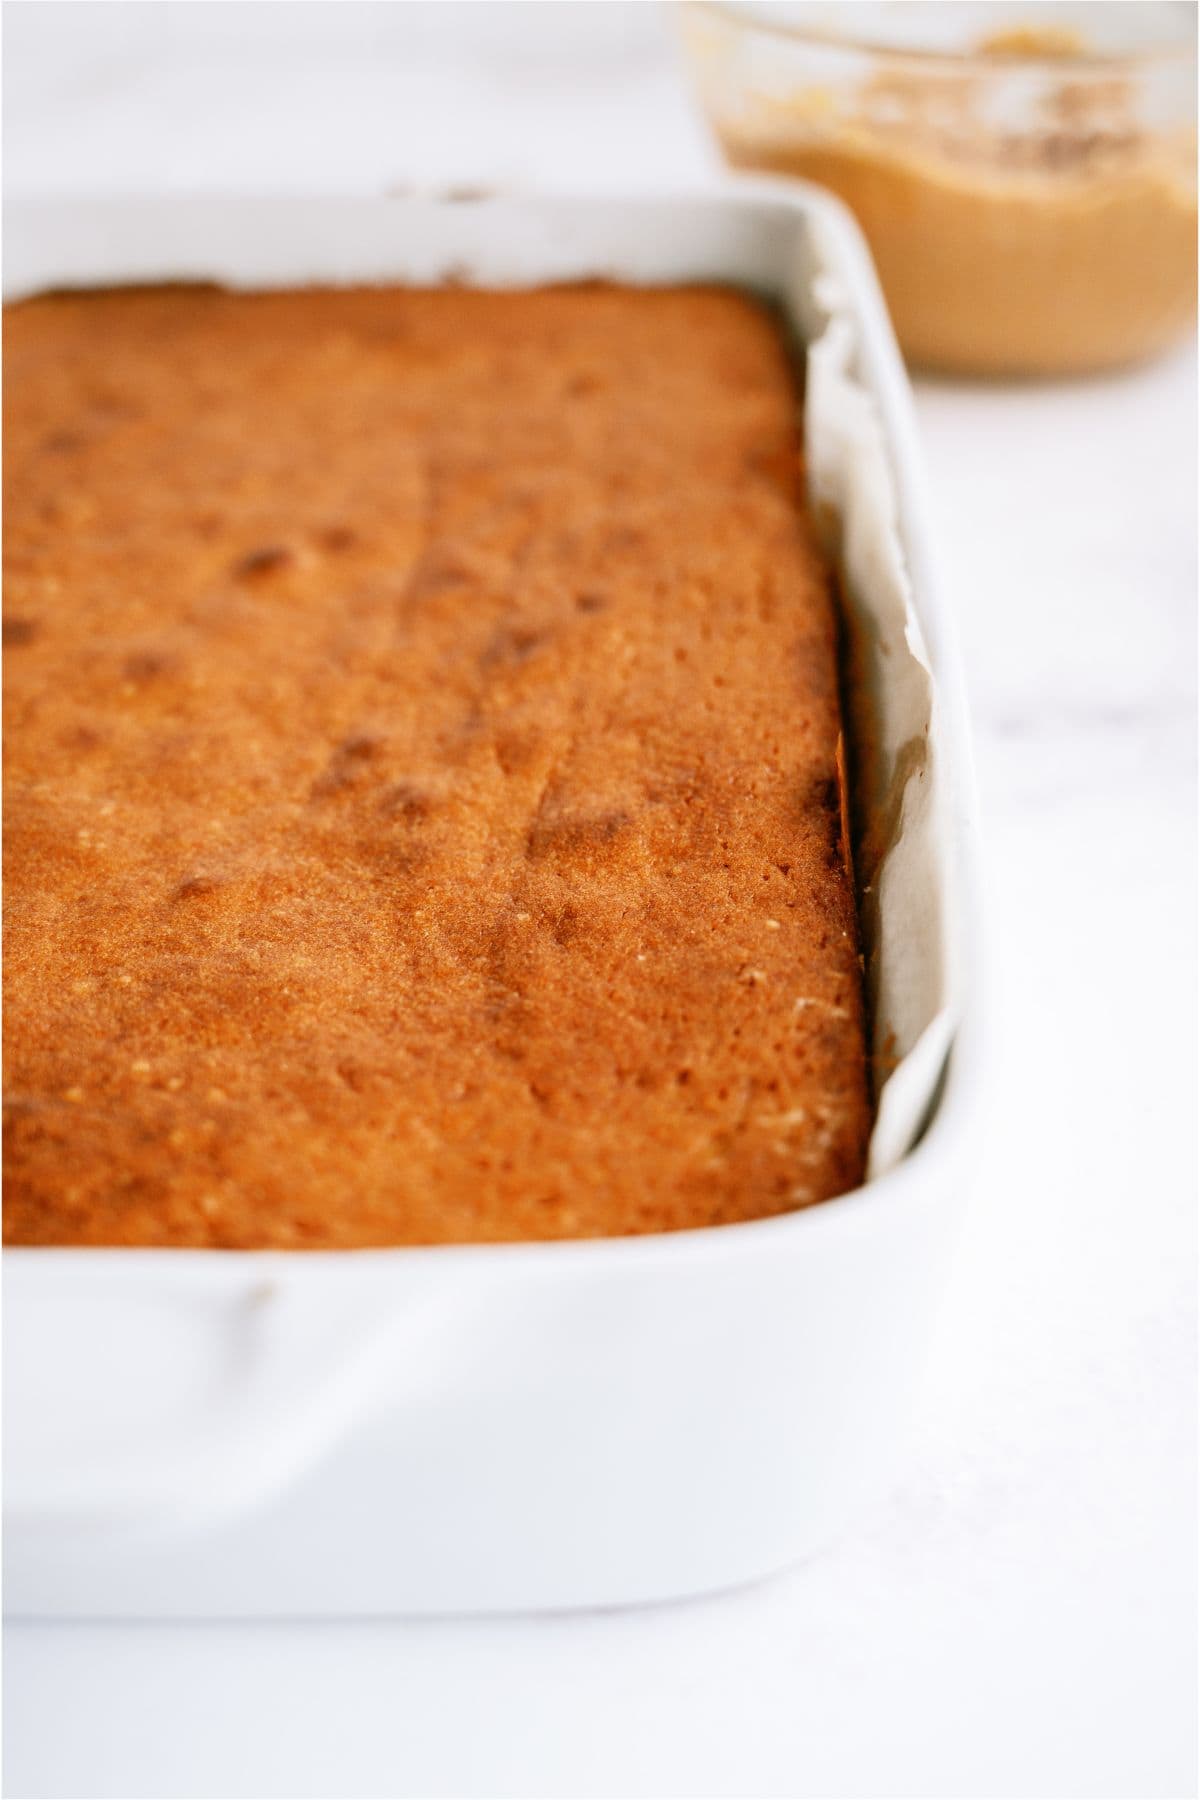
column 1057, row 238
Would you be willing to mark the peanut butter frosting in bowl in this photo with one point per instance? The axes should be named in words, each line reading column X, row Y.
column 1027, row 186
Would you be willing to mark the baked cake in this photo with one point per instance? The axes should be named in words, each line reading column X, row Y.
column 423, row 801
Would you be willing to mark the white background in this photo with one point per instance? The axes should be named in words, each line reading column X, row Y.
column 1018, row 1620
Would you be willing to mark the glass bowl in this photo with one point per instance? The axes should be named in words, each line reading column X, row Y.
column 1025, row 175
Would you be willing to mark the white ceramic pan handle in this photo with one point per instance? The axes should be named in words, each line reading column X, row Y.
column 293, row 1376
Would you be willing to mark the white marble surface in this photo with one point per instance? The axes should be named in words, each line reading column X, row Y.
column 1018, row 1619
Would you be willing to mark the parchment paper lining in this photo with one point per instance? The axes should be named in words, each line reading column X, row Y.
column 902, row 854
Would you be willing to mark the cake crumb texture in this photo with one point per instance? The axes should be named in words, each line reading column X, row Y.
column 422, row 812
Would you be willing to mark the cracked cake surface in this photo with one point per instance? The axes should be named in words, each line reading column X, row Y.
column 423, row 812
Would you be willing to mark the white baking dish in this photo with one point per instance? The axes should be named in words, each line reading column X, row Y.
column 542, row 1425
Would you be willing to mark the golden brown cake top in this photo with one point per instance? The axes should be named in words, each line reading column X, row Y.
column 422, row 810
